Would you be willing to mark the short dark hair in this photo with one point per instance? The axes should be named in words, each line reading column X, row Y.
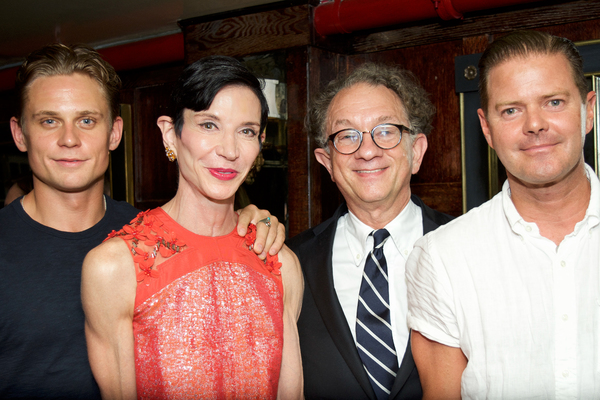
column 523, row 44
column 200, row 82
column 403, row 83
column 59, row 59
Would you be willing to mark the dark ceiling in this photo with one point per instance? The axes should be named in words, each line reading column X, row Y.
column 28, row 24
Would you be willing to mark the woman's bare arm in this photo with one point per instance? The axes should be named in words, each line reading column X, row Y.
column 108, row 289
column 291, row 381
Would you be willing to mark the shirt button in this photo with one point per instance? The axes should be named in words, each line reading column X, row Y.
column 563, row 264
column 528, row 228
column 405, row 252
column 358, row 256
column 565, row 373
column 565, row 317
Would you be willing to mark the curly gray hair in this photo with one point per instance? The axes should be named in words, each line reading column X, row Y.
column 415, row 99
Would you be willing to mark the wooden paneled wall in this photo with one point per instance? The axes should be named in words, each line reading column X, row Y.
column 428, row 49
column 148, row 91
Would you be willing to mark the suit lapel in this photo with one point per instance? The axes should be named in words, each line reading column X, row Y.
column 406, row 368
column 431, row 220
column 320, row 280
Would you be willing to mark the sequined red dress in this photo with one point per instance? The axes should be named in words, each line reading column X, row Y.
column 208, row 318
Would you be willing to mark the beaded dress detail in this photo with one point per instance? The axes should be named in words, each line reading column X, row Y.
column 208, row 317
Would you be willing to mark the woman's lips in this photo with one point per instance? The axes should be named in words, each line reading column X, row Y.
column 223, row 174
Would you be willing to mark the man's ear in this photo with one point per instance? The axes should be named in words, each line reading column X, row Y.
column 324, row 158
column 18, row 135
column 168, row 132
column 419, row 147
column 485, row 127
column 589, row 111
column 116, row 133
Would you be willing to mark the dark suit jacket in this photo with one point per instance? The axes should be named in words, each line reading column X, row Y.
column 332, row 367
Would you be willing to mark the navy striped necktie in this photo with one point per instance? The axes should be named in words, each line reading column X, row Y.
column 373, row 327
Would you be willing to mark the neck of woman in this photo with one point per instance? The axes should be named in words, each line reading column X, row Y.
column 202, row 216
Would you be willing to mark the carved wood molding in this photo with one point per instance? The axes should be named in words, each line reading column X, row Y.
column 247, row 34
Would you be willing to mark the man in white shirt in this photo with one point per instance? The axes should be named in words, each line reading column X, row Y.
column 371, row 127
column 504, row 302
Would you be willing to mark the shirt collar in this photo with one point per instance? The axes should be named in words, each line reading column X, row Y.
column 592, row 214
column 403, row 230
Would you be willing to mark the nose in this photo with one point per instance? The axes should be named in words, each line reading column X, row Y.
column 69, row 136
column 535, row 121
column 368, row 149
column 228, row 148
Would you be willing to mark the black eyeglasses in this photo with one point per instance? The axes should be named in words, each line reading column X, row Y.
column 385, row 136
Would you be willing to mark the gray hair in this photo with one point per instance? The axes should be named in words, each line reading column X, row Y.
column 403, row 83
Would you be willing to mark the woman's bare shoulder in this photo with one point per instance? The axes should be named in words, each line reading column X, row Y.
column 293, row 282
column 109, row 262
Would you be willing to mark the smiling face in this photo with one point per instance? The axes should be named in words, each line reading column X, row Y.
column 67, row 132
column 218, row 146
column 371, row 178
column 535, row 120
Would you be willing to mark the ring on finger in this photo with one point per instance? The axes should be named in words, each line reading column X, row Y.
column 266, row 221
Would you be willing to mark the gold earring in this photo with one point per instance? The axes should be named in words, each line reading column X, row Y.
column 170, row 154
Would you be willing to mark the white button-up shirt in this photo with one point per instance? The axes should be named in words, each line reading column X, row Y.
column 525, row 312
column 351, row 246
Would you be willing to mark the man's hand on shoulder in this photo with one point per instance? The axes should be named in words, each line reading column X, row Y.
column 270, row 234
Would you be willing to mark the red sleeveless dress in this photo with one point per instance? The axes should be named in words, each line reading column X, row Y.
column 208, row 318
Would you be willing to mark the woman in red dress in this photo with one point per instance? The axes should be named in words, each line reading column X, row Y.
column 177, row 305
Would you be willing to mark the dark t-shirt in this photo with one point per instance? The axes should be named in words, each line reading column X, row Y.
column 42, row 343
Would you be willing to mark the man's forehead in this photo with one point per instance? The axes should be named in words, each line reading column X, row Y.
column 77, row 90
column 514, row 61
column 377, row 103
column 532, row 80
column 366, row 89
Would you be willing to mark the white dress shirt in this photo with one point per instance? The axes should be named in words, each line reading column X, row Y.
column 525, row 312
column 351, row 246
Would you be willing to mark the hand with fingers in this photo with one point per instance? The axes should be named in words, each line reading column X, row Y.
column 270, row 234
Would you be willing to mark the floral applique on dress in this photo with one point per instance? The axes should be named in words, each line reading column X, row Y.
column 145, row 228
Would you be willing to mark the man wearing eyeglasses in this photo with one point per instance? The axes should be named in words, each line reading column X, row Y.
column 354, row 338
